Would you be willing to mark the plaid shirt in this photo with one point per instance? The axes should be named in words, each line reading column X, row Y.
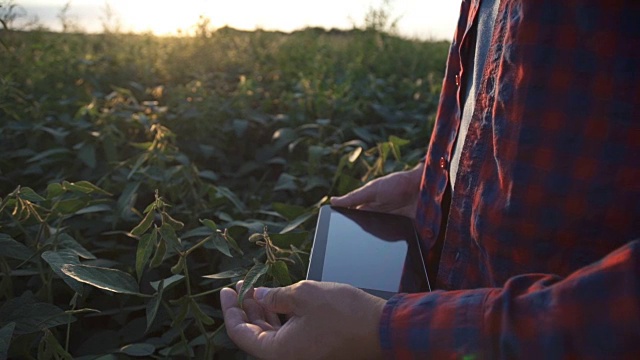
column 540, row 258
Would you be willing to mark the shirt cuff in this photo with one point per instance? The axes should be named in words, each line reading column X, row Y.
column 435, row 325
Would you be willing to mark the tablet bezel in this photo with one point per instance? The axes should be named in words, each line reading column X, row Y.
column 318, row 250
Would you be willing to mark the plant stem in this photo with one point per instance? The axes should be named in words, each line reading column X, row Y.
column 211, row 291
column 73, row 307
column 183, row 337
column 204, row 241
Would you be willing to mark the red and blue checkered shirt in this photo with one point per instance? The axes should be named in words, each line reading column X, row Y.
column 540, row 255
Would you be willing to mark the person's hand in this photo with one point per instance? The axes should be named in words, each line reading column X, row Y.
column 396, row 193
column 325, row 321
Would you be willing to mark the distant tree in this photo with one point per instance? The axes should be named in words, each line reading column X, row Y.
column 68, row 21
column 380, row 18
column 110, row 20
column 9, row 12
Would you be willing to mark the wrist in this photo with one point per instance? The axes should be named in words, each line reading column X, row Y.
column 372, row 331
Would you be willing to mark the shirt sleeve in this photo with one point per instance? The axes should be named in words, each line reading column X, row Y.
column 592, row 314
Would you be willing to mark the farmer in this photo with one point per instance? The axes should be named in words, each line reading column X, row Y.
column 528, row 201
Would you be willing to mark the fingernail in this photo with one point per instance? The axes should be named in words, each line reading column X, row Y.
column 260, row 293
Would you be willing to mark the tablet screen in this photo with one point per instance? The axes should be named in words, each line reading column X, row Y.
column 376, row 252
column 347, row 259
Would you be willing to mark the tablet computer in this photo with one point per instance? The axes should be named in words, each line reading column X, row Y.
column 378, row 253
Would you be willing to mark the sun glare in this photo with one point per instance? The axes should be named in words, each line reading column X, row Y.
column 160, row 18
column 417, row 18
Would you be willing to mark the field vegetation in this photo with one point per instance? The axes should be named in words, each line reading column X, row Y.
column 140, row 174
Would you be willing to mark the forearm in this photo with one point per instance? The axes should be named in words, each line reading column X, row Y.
column 594, row 313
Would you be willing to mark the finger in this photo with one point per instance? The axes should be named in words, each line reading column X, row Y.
column 249, row 337
column 277, row 300
column 230, row 309
column 379, row 207
column 265, row 326
column 273, row 319
column 359, row 196
column 253, row 310
column 239, row 285
column 228, row 299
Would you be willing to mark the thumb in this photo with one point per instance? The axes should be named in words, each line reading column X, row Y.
column 278, row 300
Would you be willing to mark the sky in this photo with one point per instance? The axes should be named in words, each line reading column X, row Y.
column 422, row 19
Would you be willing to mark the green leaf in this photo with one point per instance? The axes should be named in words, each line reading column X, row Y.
column 94, row 209
column 347, row 183
column 87, row 154
column 31, row 316
column 234, row 245
column 179, row 266
column 145, row 250
column 127, row 199
column 364, row 134
column 280, row 272
column 137, row 165
column 297, row 222
column 396, row 141
column 27, row 193
column 210, row 224
column 209, row 175
column 175, row 224
column 291, row 238
column 104, row 278
column 153, row 305
column 143, row 145
column 222, row 340
column 70, row 206
column 315, row 153
column 60, row 258
column 183, row 310
column 227, row 274
column 220, row 244
column 286, row 182
column 199, row 232
column 139, row 349
column 13, row 249
column 66, row 241
column 6, row 333
column 54, row 190
column 50, row 348
column 169, row 235
column 144, row 224
column 313, row 182
column 168, row 282
column 289, row 212
column 76, row 188
column 48, row 153
column 87, row 187
column 158, row 257
column 199, row 314
column 178, row 350
column 254, row 274
column 152, row 206
column 229, row 195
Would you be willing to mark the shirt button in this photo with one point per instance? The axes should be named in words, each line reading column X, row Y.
column 427, row 233
column 443, row 163
column 457, row 80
